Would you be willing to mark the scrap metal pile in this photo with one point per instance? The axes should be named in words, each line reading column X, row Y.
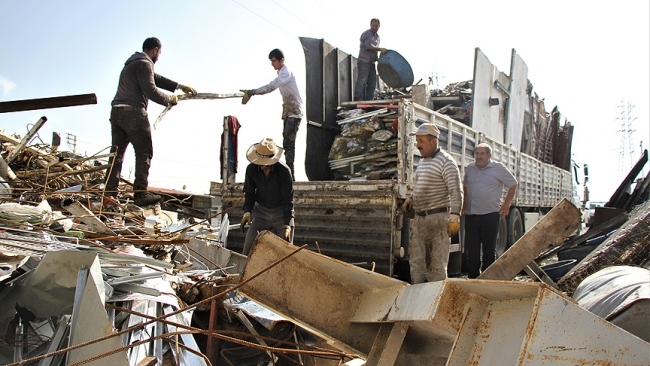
column 366, row 146
column 90, row 279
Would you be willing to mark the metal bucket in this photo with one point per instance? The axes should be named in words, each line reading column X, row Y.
column 394, row 70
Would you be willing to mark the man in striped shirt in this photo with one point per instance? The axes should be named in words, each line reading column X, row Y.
column 437, row 199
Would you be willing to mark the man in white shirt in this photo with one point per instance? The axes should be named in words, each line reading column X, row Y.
column 483, row 186
column 291, row 104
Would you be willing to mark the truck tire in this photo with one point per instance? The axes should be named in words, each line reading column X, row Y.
column 515, row 226
column 502, row 237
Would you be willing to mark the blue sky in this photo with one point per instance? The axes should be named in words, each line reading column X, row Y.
column 584, row 57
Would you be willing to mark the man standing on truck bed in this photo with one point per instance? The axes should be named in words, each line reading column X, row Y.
column 437, row 199
column 129, row 122
column 364, row 89
column 291, row 104
column 483, row 184
column 268, row 194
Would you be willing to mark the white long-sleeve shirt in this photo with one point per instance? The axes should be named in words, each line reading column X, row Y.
column 291, row 101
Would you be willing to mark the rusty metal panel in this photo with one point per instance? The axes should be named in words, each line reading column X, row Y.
column 319, row 293
column 465, row 322
column 562, row 333
column 350, row 221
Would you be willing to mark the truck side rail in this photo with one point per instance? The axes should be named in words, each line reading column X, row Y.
column 540, row 184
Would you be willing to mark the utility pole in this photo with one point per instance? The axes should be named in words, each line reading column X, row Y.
column 72, row 141
column 626, row 146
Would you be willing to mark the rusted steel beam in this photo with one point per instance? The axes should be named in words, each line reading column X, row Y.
column 45, row 103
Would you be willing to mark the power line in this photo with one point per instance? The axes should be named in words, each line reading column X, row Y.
column 294, row 15
column 261, row 17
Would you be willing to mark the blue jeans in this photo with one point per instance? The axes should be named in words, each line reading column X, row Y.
column 364, row 89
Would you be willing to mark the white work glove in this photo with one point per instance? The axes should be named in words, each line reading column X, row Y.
column 287, row 232
column 454, row 224
column 187, row 89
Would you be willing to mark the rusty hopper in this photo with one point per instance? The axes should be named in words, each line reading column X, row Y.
column 453, row 322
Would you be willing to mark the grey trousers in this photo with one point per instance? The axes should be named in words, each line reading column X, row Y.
column 429, row 248
column 270, row 219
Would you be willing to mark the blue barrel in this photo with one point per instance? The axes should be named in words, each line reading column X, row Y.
column 394, row 70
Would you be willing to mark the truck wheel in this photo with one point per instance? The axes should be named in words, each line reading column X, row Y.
column 515, row 226
column 502, row 237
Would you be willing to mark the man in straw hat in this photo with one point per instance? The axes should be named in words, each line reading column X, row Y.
column 437, row 199
column 268, row 190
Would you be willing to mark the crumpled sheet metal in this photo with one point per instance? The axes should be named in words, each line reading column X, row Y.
column 629, row 245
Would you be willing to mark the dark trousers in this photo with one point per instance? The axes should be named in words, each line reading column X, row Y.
column 130, row 125
column 291, row 125
column 364, row 89
column 480, row 232
column 270, row 219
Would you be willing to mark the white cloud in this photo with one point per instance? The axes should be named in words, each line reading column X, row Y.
column 7, row 85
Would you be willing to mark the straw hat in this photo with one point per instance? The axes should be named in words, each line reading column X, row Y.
column 264, row 153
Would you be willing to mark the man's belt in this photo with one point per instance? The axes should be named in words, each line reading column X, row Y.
column 127, row 107
column 432, row 211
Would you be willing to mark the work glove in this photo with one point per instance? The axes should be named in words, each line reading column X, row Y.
column 246, row 219
column 383, row 50
column 454, row 224
column 287, row 232
column 407, row 205
column 187, row 89
column 173, row 100
column 247, row 95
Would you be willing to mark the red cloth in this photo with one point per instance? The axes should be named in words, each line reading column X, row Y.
column 233, row 131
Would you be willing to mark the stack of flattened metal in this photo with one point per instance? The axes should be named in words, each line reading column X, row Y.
column 366, row 147
column 455, row 100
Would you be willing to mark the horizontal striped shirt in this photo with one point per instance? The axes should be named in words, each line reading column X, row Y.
column 437, row 184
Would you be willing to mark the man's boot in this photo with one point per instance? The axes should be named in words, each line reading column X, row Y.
column 146, row 198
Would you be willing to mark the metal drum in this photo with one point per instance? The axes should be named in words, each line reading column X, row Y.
column 394, row 70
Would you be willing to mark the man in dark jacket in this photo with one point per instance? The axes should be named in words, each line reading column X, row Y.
column 129, row 120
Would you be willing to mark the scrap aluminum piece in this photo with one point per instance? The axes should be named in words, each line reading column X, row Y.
column 196, row 96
